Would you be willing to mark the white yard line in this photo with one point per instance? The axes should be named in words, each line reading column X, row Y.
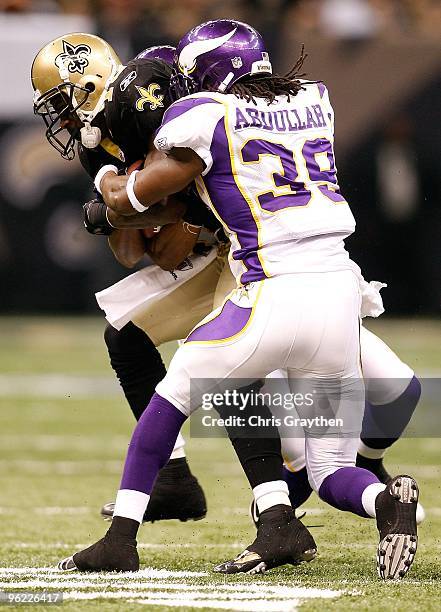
column 61, row 467
column 141, row 545
column 182, row 600
column 243, row 606
column 163, row 588
column 240, row 591
column 148, row 573
column 52, row 573
column 59, row 442
column 78, row 386
column 57, row 385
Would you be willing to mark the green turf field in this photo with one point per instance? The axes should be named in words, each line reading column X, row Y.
column 63, row 433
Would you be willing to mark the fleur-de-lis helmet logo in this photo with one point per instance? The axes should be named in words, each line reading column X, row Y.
column 74, row 58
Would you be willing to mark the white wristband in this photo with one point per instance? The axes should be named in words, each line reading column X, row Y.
column 131, row 193
column 101, row 172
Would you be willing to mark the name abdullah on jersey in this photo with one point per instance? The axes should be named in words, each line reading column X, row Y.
column 270, row 177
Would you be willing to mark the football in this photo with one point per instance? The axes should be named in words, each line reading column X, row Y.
column 137, row 165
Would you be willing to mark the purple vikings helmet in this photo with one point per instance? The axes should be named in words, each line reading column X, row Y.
column 166, row 53
column 216, row 54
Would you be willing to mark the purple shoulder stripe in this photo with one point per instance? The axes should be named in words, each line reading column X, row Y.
column 322, row 88
column 182, row 106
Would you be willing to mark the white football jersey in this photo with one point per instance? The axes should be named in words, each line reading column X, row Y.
column 270, row 178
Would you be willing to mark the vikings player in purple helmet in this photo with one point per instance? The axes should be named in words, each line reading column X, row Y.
column 394, row 404
column 260, row 148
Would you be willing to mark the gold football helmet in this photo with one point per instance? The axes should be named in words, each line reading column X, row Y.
column 70, row 76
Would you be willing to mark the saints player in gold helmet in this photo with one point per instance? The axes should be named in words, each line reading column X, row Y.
column 70, row 76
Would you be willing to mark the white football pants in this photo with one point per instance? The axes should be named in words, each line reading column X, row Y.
column 307, row 324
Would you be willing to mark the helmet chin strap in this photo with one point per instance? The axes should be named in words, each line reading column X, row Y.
column 90, row 136
column 227, row 80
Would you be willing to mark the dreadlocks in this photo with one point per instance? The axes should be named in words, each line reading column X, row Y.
column 270, row 86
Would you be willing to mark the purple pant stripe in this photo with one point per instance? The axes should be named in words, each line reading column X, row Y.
column 343, row 489
column 230, row 321
column 152, row 444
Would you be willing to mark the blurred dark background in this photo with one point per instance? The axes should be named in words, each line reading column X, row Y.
column 381, row 61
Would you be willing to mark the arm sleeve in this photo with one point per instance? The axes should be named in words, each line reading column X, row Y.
column 190, row 123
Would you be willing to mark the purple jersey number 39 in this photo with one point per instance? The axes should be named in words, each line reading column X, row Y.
column 299, row 195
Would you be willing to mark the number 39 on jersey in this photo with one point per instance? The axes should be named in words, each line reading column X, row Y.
column 270, row 173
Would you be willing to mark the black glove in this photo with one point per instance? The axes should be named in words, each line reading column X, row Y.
column 95, row 219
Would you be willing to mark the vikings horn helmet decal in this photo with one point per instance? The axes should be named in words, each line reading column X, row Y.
column 189, row 54
column 70, row 76
column 216, row 54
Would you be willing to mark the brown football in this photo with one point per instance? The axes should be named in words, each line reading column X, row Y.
column 135, row 166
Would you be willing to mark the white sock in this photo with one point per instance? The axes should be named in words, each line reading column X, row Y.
column 131, row 504
column 369, row 496
column 179, row 450
column 371, row 453
column 270, row 494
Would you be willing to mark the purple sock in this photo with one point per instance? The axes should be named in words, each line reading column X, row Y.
column 343, row 489
column 298, row 486
column 151, row 445
column 384, row 424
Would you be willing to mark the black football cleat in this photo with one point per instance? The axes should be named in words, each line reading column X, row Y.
column 176, row 495
column 376, row 466
column 281, row 539
column 254, row 513
column 396, row 521
column 110, row 554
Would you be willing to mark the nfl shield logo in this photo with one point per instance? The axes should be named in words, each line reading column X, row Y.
column 237, row 62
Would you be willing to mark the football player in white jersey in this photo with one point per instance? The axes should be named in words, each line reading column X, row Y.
column 171, row 312
column 260, row 149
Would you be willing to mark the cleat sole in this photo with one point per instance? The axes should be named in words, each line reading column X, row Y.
column 395, row 557
column 396, row 551
column 405, row 490
column 67, row 565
